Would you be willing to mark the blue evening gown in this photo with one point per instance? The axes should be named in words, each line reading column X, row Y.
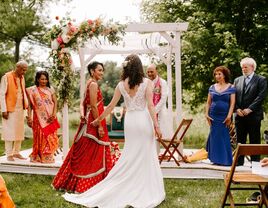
column 218, row 144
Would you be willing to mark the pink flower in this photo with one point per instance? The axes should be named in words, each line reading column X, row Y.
column 73, row 29
column 59, row 39
column 90, row 22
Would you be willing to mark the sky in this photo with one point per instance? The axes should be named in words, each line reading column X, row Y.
column 122, row 11
column 119, row 10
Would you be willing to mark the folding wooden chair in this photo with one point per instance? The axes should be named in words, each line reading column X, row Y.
column 172, row 145
column 246, row 180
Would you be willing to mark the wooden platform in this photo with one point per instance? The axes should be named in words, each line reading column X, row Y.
column 198, row 170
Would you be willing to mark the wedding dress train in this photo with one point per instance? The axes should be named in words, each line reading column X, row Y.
column 136, row 180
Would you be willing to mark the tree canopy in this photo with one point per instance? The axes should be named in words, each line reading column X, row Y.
column 21, row 20
column 219, row 33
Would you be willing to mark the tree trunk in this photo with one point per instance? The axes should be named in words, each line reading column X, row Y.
column 17, row 50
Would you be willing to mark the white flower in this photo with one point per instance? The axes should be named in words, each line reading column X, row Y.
column 125, row 63
column 54, row 52
column 54, row 44
column 65, row 38
column 65, row 50
column 64, row 35
column 65, row 30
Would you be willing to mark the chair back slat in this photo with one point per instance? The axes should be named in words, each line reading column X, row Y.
column 185, row 124
column 252, row 149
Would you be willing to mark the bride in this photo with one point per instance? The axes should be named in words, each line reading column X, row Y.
column 136, row 179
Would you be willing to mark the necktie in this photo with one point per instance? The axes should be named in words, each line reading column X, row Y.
column 247, row 79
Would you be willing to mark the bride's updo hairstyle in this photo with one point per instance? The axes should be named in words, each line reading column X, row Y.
column 92, row 66
column 132, row 69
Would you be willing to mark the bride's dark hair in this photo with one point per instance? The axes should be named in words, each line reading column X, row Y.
column 132, row 69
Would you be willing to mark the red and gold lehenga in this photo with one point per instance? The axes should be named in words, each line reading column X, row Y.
column 89, row 159
column 45, row 139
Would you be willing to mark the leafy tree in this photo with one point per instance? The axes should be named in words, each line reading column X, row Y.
column 219, row 33
column 21, row 20
column 110, row 80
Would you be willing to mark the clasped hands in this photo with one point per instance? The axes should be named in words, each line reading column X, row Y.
column 244, row 112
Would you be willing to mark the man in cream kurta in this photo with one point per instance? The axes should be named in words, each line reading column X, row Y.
column 13, row 102
column 160, row 94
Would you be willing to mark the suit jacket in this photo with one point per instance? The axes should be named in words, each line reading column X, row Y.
column 252, row 97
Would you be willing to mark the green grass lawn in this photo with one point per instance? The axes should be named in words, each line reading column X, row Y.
column 34, row 191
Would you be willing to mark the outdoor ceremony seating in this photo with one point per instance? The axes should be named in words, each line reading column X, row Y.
column 171, row 145
column 237, row 181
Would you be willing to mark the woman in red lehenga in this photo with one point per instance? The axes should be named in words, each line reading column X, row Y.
column 44, row 123
column 89, row 159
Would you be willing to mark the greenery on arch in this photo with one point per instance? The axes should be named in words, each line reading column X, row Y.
column 66, row 36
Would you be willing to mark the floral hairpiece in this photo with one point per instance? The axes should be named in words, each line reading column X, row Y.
column 125, row 63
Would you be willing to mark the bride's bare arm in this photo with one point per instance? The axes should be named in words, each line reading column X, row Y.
column 151, row 108
column 109, row 108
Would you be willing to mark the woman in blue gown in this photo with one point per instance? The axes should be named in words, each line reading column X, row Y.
column 219, row 110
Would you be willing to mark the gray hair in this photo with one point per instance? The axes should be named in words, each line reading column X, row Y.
column 249, row 61
column 21, row 63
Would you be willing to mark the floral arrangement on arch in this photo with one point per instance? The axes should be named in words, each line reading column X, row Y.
column 66, row 36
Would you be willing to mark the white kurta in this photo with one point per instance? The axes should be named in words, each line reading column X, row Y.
column 13, row 127
column 164, row 120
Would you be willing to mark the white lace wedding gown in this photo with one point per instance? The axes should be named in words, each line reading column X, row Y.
column 136, row 180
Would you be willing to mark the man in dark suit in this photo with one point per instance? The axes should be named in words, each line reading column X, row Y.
column 251, row 91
